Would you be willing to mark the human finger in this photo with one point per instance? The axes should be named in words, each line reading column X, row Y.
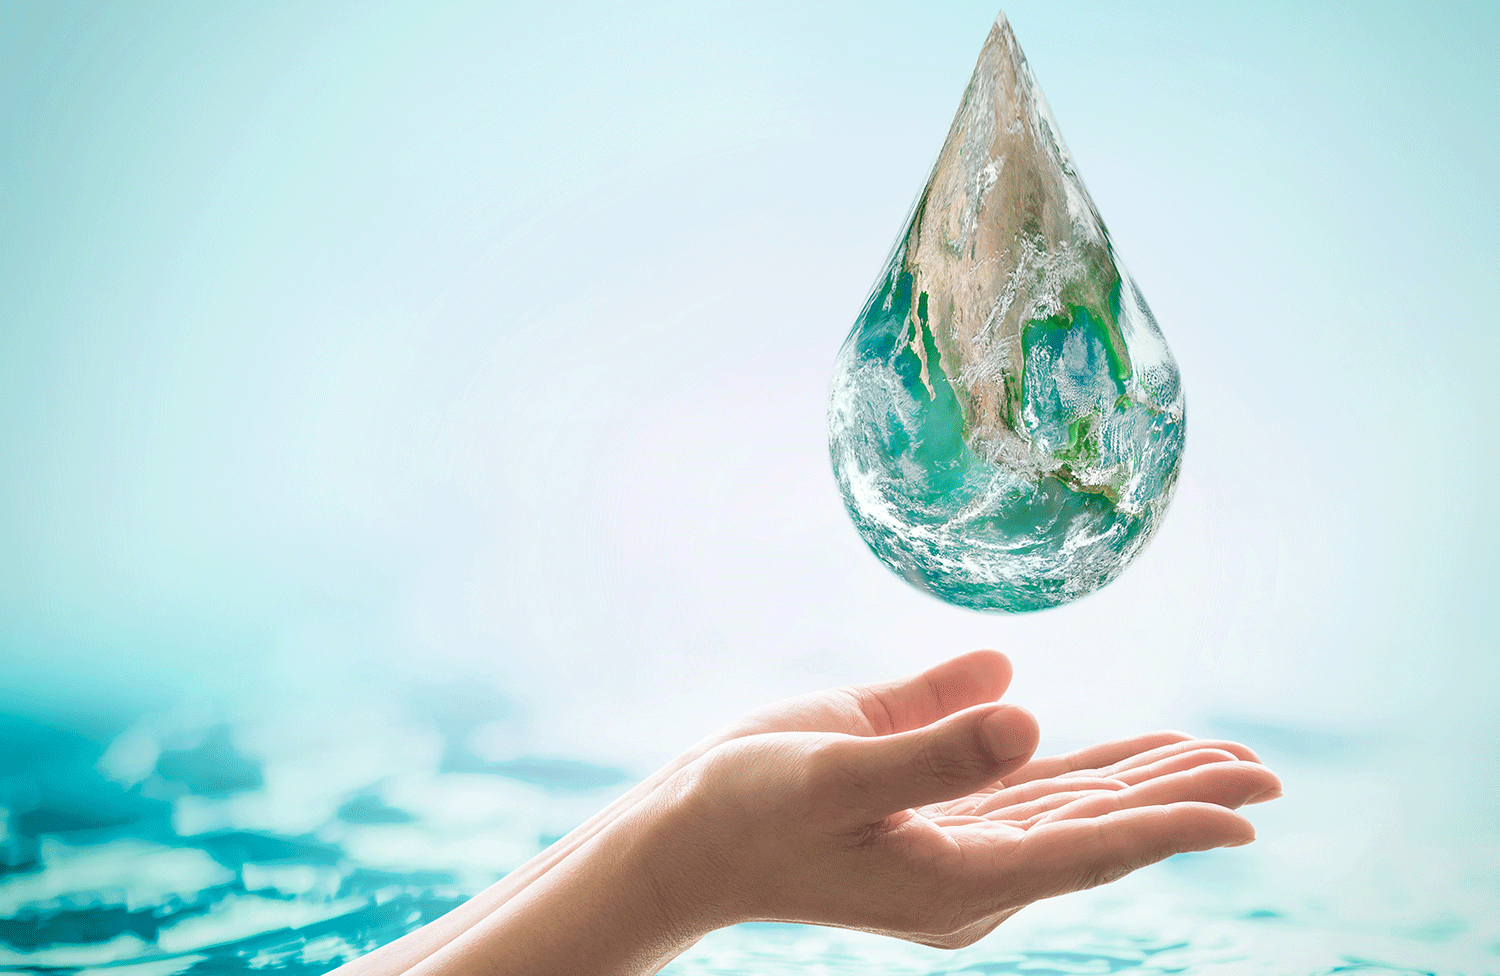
column 1172, row 749
column 1173, row 763
column 873, row 777
column 1024, row 814
column 1226, row 784
column 1071, row 855
column 921, row 699
column 1015, row 796
column 1094, row 757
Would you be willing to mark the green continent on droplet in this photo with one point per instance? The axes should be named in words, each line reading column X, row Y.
column 1082, row 441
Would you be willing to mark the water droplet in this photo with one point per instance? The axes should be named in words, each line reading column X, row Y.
column 1006, row 422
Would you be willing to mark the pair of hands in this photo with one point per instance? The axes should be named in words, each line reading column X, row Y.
column 912, row 808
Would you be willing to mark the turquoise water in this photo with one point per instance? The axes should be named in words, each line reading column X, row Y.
column 279, row 844
column 164, row 847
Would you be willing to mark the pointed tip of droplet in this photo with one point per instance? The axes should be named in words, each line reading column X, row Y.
column 1002, row 37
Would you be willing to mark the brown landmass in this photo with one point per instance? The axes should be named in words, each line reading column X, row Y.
column 1004, row 234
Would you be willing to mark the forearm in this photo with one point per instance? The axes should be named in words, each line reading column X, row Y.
column 624, row 903
column 401, row 955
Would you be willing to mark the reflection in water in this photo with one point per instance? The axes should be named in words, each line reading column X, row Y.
column 180, row 844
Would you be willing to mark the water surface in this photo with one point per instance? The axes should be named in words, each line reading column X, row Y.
column 268, row 845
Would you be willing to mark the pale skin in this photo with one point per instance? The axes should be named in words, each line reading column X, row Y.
column 911, row 808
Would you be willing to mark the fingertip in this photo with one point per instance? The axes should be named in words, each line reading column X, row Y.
column 996, row 660
column 992, row 667
column 1012, row 733
column 1269, row 782
column 972, row 678
column 1238, row 749
column 1242, row 751
column 1233, row 830
column 1002, row 668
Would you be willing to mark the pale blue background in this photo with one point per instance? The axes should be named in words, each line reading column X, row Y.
column 346, row 346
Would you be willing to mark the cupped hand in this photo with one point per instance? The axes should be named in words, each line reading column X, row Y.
column 859, row 710
column 911, row 808
column 937, row 831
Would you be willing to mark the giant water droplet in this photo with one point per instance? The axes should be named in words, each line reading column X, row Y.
column 1006, row 422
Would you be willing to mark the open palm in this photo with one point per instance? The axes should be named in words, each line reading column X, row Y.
column 915, row 809
column 1066, row 823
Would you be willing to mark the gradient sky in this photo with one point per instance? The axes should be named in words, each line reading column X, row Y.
column 359, row 343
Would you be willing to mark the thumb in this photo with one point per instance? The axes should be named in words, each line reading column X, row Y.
column 950, row 758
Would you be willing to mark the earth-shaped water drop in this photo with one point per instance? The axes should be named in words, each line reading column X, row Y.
column 1006, row 422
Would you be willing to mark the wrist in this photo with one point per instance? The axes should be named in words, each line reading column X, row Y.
column 619, row 905
column 717, row 860
column 685, row 857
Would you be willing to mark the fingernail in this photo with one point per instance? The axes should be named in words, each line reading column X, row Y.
column 1242, row 843
column 1273, row 794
